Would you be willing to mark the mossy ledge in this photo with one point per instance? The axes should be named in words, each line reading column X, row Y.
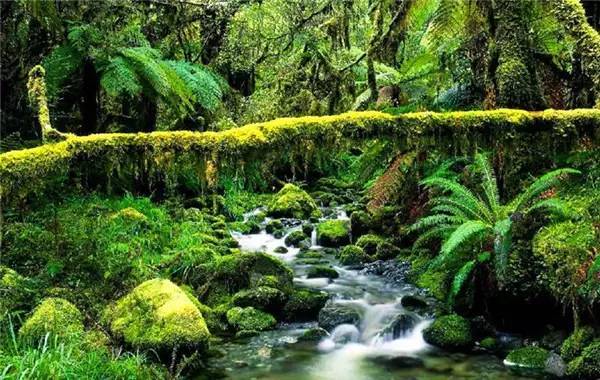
column 167, row 159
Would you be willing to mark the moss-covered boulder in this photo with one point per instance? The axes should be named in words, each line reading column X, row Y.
column 55, row 316
column 576, row 342
column 295, row 238
column 587, row 365
column 158, row 314
column 451, row 332
column 250, row 319
column 527, row 359
column 274, row 225
column 352, row 255
column 304, row 305
column 240, row 271
column 333, row 233
column 361, row 223
column 262, row 297
column 321, row 271
column 247, row 227
column 386, row 251
column 369, row 243
column 292, row 202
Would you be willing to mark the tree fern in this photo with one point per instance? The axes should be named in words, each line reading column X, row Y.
column 207, row 87
column 60, row 65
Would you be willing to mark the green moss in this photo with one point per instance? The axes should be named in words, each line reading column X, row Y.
column 16, row 291
column 294, row 238
column 528, row 357
column 333, row 233
column 292, row 202
column 322, row 271
column 564, row 249
column 249, row 227
column 304, row 305
column 451, row 332
column 262, row 297
column 586, row 366
column 489, row 343
column 352, row 255
column 369, row 243
column 575, row 343
column 274, row 225
column 158, row 314
column 386, row 251
column 32, row 171
column 55, row 316
column 249, row 318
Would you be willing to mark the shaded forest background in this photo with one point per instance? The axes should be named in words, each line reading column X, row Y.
column 189, row 64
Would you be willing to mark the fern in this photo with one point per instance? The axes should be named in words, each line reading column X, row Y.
column 206, row 87
column 460, row 280
column 60, row 65
column 465, row 232
column 119, row 78
column 459, row 217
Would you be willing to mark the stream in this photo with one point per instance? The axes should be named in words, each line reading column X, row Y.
column 383, row 341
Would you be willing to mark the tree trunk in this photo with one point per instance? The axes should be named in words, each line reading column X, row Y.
column 516, row 78
column 571, row 15
column 372, row 80
column 88, row 105
column 148, row 114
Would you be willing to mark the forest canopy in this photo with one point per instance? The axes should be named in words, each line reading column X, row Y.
column 209, row 65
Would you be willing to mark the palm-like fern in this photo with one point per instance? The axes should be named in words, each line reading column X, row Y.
column 461, row 217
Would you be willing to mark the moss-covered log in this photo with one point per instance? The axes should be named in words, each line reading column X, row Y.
column 195, row 160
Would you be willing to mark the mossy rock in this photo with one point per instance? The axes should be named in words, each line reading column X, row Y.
column 248, row 227
column 249, row 318
column 322, row 271
column 281, row 249
column 530, row 357
column 313, row 335
column 528, row 360
column 262, row 297
column 333, row 233
column 158, row 314
column 307, row 228
column 304, row 305
column 361, row 223
column 54, row 316
column 386, row 251
column 292, row 202
column 16, row 291
column 489, row 343
column 242, row 271
column 587, row 365
column 309, row 254
column 95, row 340
column 294, row 238
column 575, row 343
column 274, row 225
column 352, row 255
column 369, row 243
column 450, row 332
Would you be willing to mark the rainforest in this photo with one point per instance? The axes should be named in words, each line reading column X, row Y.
column 300, row 189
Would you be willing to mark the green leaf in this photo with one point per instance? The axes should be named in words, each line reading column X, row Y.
column 464, row 233
column 461, row 278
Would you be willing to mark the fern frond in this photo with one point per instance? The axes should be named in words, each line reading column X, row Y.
column 460, row 280
column 489, row 185
column 461, row 194
column 119, row 78
column 435, row 220
column 465, row 232
column 205, row 86
column 60, row 65
column 439, row 232
column 540, row 185
column 451, row 210
column 447, row 24
column 553, row 206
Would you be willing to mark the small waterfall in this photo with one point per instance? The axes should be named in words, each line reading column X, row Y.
column 313, row 237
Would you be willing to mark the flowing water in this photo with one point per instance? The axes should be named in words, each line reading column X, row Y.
column 365, row 349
